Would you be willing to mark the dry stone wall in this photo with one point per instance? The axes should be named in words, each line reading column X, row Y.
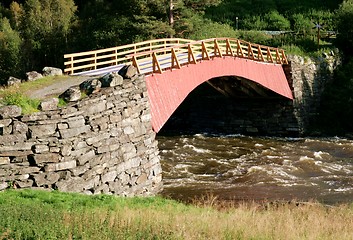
column 101, row 144
column 309, row 77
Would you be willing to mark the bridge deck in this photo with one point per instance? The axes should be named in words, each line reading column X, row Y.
column 174, row 67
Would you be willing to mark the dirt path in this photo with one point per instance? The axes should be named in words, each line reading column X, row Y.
column 58, row 87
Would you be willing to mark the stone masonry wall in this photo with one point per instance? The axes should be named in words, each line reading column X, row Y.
column 309, row 78
column 101, row 144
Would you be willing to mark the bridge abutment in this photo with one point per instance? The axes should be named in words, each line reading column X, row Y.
column 101, row 144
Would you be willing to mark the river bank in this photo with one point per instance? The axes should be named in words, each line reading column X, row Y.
column 30, row 214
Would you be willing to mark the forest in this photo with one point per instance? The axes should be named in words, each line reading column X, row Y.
column 37, row 33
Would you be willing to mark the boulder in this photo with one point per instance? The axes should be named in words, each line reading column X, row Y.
column 111, row 80
column 72, row 94
column 32, row 76
column 128, row 72
column 52, row 71
column 12, row 81
column 10, row 111
column 91, row 86
column 49, row 104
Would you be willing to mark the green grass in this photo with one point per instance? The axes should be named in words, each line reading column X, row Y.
column 29, row 214
column 27, row 104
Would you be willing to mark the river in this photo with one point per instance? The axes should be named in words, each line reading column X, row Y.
column 257, row 168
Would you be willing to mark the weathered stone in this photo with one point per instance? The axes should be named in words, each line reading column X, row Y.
column 109, row 177
column 142, row 178
column 24, row 184
column 12, row 139
column 68, row 133
column 91, row 86
column 19, row 127
column 10, row 111
column 5, row 122
column 39, row 159
column 3, row 186
column 4, row 160
column 51, row 167
column 74, row 184
column 76, row 122
column 111, row 80
column 40, row 148
column 12, row 81
column 128, row 71
column 86, row 157
column 72, row 94
column 21, row 146
column 66, row 150
column 42, row 130
column 94, row 108
column 129, row 130
column 32, row 76
column 49, row 104
column 52, row 71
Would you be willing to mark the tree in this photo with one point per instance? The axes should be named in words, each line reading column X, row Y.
column 276, row 21
column 10, row 47
column 344, row 26
column 45, row 25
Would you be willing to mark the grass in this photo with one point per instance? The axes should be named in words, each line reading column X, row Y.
column 20, row 95
column 29, row 214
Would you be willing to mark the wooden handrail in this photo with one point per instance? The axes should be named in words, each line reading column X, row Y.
column 160, row 54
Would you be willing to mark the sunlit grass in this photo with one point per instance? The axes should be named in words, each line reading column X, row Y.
column 53, row 215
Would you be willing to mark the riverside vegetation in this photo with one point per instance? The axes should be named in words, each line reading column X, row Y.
column 32, row 214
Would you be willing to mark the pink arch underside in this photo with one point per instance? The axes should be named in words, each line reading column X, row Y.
column 168, row 90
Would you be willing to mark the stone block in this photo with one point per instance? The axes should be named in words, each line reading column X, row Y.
column 63, row 126
column 76, row 122
column 24, row 184
column 86, row 157
column 4, row 160
column 109, row 176
column 39, row 159
column 21, row 146
column 10, row 111
column 49, row 104
column 74, row 184
column 42, row 130
column 51, row 167
column 141, row 179
column 91, row 183
column 68, row 133
column 12, row 139
column 19, row 127
column 92, row 109
column 128, row 130
column 79, row 170
column 5, row 122
column 40, row 148
column 3, row 185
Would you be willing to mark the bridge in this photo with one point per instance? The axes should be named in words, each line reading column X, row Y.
column 175, row 67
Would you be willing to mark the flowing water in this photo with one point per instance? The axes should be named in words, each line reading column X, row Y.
column 254, row 168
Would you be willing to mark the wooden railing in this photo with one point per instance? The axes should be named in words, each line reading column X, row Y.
column 84, row 61
column 157, row 55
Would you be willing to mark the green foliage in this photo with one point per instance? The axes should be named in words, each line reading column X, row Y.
column 276, row 21
column 27, row 104
column 302, row 24
column 45, row 26
column 10, row 51
column 344, row 18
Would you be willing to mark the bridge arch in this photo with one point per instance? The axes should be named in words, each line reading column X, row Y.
column 168, row 90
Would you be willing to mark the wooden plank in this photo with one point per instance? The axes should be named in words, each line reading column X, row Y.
column 174, row 58
column 217, row 51
column 156, row 66
column 205, row 55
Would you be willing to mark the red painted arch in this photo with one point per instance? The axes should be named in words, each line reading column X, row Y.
column 168, row 90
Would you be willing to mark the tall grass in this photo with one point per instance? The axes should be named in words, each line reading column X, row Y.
column 27, row 104
column 53, row 215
